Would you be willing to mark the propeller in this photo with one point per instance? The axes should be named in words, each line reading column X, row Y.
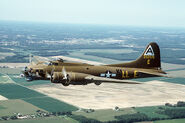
column 60, row 77
column 66, row 77
column 37, row 74
column 64, row 73
column 48, row 76
column 26, row 71
column 29, row 73
column 51, row 75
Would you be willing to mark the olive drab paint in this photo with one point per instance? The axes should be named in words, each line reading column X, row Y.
column 66, row 73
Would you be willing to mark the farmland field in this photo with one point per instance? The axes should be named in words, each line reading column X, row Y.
column 50, row 104
column 9, row 107
column 175, row 80
column 106, row 115
column 44, row 120
column 151, row 111
column 171, row 121
column 4, row 79
column 14, row 91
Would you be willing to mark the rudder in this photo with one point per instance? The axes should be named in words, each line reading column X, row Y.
column 149, row 59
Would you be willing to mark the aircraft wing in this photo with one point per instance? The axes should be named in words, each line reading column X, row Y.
column 76, row 60
column 40, row 59
column 110, row 80
column 160, row 74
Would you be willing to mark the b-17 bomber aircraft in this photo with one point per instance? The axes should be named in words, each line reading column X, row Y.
column 66, row 73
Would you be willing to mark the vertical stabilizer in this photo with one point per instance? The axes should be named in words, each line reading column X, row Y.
column 149, row 59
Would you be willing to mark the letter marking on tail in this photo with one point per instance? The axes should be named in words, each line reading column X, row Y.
column 149, row 53
column 148, row 61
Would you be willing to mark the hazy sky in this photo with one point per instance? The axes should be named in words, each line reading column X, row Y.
column 114, row 12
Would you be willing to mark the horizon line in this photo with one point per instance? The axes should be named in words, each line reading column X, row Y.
column 100, row 24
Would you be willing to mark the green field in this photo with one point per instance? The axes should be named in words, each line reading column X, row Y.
column 105, row 115
column 5, row 79
column 175, row 80
column 14, row 91
column 50, row 104
column 27, row 101
column 9, row 107
column 171, row 121
column 44, row 120
column 151, row 111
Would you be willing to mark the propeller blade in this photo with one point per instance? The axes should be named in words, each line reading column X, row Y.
column 64, row 73
column 51, row 78
column 48, row 75
column 37, row 74
column 29, row 73
column 52, row 71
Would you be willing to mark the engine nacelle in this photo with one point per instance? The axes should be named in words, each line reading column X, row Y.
column 58, row 77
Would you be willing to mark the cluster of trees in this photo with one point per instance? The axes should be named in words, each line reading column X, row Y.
column 61, row 113
column 7, row 117
column 49, row 114
column 38, row 114
column 174, row 113
column 83, row 119
column 130, row 118
column 179, row 104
